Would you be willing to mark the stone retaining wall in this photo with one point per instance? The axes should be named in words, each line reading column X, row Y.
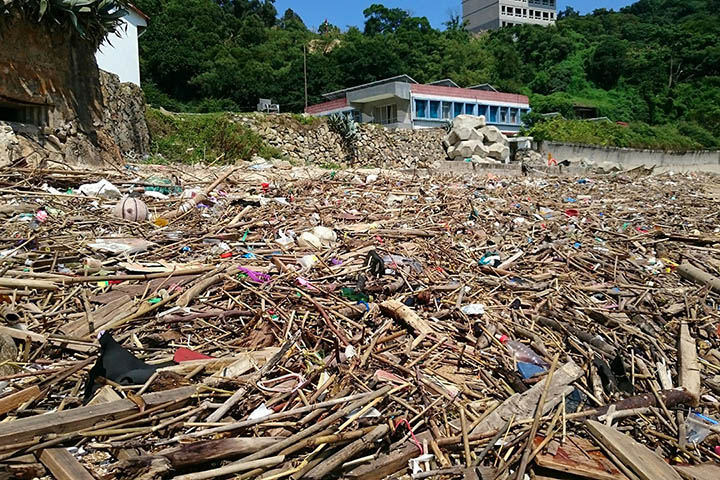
column 379, row 146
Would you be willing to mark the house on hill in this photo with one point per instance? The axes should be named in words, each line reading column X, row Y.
column 401, row 102
column 119, row 53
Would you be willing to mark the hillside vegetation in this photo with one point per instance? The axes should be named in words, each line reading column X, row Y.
column 654, row 64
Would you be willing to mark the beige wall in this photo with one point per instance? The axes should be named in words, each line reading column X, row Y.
column 403, row 110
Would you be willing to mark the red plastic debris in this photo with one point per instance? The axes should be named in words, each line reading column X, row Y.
column 183, row 354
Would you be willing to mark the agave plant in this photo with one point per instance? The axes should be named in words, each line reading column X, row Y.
column 91, row 19
column 346, row 128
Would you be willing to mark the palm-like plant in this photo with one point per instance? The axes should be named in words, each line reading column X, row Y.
column 346, row 128
column 91, row 19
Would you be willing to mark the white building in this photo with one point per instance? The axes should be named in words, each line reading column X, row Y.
column 119, row 54
column 482, row 15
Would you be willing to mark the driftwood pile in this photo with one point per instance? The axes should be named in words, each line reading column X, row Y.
column 314, row 324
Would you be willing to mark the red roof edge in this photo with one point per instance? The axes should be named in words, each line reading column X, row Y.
column 137, row 10
column 470, row 93
column 327, row 106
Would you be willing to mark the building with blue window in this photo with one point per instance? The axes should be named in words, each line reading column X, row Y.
column 401, row 102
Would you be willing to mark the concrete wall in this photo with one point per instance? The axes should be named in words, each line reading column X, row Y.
column 629, row 158
column 119, row 54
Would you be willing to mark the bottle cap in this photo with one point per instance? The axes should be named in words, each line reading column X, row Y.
column 502, row 338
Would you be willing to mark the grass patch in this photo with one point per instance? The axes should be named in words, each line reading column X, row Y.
column 307, row 120
column 209, row 138
column 608, row 134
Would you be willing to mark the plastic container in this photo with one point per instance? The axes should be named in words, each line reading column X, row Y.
column 521, row 352
column 698, row 427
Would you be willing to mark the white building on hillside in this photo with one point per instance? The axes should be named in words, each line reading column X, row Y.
column 482, row 15
column 119, row 54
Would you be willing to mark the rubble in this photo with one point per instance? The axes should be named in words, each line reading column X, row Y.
column 471, row 138
column 360, row 324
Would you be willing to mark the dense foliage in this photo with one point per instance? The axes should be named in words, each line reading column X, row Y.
column 610, row 134
column 209, row 138
column 656, row 62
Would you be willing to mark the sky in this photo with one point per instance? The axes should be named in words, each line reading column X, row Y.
column 344, row 13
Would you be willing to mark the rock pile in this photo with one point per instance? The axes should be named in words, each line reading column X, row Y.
column 312, row 142
column 471, row 137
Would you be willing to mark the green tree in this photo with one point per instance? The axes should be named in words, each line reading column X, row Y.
column 607, row 62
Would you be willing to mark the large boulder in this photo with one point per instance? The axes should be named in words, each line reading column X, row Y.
column 460, row 134
column 469, row 121
column 493, row 135
column 468, row 148
column 498, row 151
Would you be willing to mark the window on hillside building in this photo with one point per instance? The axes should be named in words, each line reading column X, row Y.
column 434, row 109
column 513, row 115
column 492, row 117
column 458, row 109
column 421, row 108
column 446, row 109
column 386, row 114
column 545, row 15
column 469, row 109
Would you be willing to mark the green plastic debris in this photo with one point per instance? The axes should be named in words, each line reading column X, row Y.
column 353, row 295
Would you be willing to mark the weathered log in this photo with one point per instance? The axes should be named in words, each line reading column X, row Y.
column 689, row 376
column 200, row 452
column 691, row 272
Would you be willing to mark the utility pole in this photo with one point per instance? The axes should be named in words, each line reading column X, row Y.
column 305, row 69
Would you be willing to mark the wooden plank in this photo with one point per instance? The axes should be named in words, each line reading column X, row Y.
column 105, row 395
column 13, row 401
column 577, row 457
column 689, row 367
column 18, row 334
column 645, row 463
column 523, row 405
column 75, row 419
column 100, row 317
column 705, row 471
column 63, row 465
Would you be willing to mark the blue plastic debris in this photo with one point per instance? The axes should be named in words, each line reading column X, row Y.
column 528, row 370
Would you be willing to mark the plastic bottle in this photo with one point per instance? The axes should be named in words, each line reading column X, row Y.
column 521, row 352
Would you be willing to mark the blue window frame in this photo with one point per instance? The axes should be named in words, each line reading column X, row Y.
column 503, row 115
column 446, row 110
column 493, row 114
column 469, row 109
column 458, row 109
column 434, row 109
column 421, row 108
column 482, row 110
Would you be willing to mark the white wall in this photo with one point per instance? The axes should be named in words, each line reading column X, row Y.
column 119, row 53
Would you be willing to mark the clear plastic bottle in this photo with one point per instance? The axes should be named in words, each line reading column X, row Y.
column 522, row 352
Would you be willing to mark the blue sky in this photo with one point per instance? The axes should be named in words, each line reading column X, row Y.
column 349, row 12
